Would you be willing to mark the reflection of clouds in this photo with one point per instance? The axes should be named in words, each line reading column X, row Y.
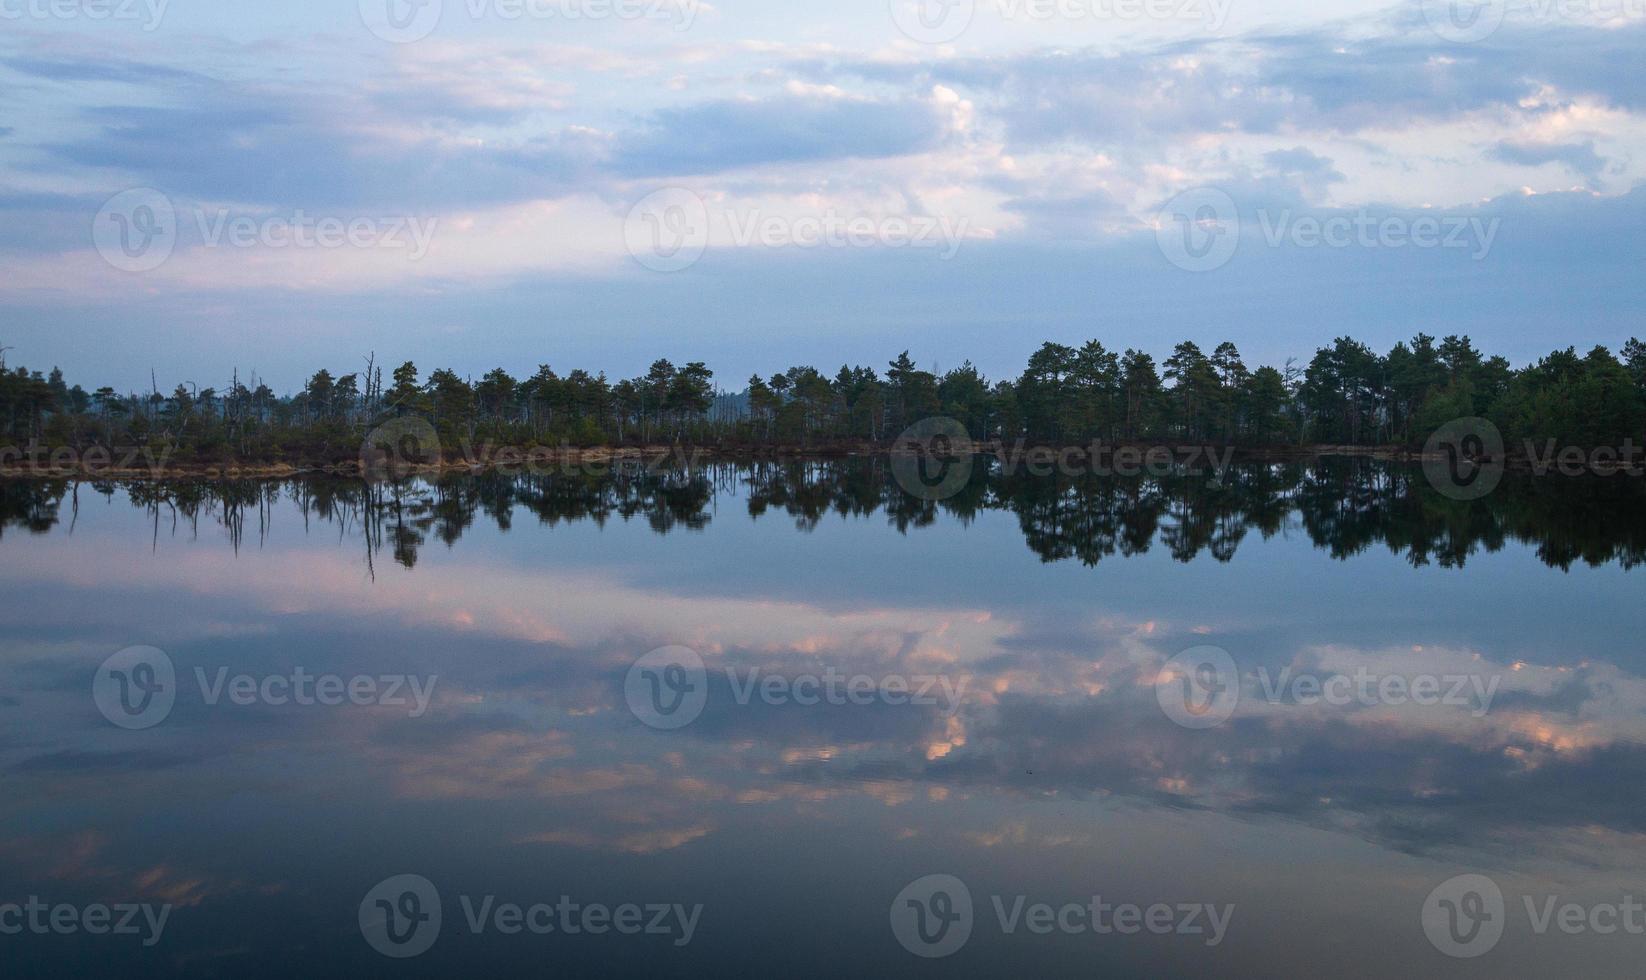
column 84, row 858
column 166, row 884
column 1018, row 833
column 645, row 842
column 539, row 606
column 529, row 711
column 482, row 766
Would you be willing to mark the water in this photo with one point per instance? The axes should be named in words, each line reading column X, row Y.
column 1033, row 622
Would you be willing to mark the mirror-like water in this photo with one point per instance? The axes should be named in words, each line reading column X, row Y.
column 1021, row 688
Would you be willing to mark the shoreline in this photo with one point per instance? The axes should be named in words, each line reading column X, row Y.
column 488, row 459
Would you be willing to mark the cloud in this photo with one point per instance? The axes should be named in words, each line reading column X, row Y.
column 530, row 155
column 106, row 70
column 1581, row 158
column 728, row 135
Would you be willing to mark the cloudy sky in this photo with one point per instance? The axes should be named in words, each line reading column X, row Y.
column 196, row 186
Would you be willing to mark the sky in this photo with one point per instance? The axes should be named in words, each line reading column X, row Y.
column 194, row 187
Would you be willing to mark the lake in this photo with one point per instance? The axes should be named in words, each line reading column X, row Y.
column 785, row 718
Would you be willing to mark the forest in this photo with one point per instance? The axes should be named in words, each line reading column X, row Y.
column 1346, row 395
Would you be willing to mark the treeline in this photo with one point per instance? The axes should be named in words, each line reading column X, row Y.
column 1347, row 394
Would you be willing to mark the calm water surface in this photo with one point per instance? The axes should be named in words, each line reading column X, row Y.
column 1041, row 615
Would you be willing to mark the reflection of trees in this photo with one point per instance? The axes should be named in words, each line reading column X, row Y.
column 1345, row 506
column 30, row 505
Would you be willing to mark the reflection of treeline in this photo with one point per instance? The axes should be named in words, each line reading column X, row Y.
column 1347, row 394
column 399, row 516
column 1345, row 506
